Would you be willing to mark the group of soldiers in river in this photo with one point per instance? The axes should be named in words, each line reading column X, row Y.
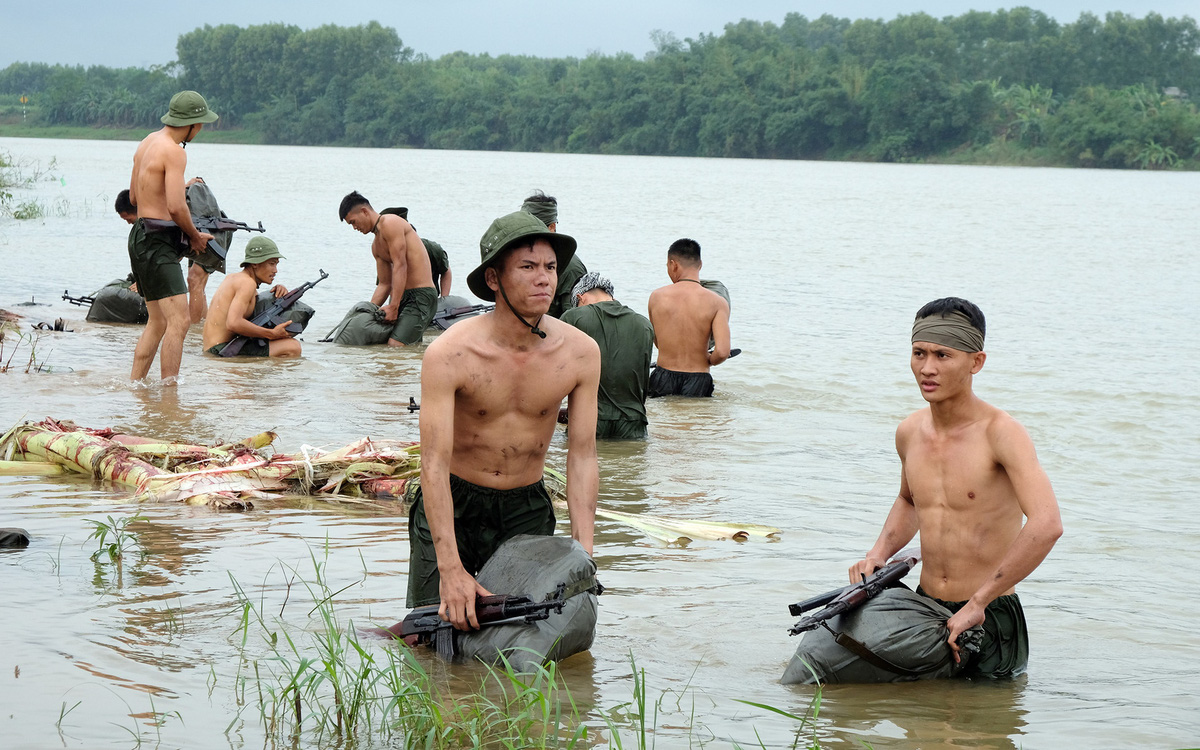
column 492, row 386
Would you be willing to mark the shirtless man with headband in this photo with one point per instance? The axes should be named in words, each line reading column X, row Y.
column 971, row 483
column 491, row 387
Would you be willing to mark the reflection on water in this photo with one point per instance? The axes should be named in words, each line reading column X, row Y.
column 800, row 435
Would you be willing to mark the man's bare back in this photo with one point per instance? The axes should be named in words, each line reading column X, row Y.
column 685, row 316
column 401, row 263
column 157, row 188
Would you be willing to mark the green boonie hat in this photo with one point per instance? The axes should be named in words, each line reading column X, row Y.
column 401, row 211
column 188, row 108
column 260, row 249
column 506, row 232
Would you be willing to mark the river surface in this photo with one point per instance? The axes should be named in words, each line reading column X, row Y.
column 1090, row 281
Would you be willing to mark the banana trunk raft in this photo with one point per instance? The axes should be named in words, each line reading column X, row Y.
column 233, row 475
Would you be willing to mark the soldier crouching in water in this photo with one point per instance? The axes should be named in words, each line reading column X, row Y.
column 404, row 288
column 490, row 391
column 971, row 484
column 233, row 306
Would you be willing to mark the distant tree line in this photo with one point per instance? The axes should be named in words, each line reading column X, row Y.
column 1111, row 92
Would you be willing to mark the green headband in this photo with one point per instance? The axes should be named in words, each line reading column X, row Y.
column 544, row 210
column 953, row 329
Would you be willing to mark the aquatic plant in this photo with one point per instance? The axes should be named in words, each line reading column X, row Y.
column 115, row 538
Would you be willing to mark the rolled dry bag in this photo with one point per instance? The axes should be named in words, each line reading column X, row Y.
column 363, row 326
column 202, row 202
column 297, row 313
column 900, row 628
column 115, row 303
column 534, row 566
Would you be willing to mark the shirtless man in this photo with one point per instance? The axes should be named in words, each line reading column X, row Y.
column 685, row 316
column 968, row 476
column 490, row 391
column 402, row 272
column 157, row 189
column 233, row 306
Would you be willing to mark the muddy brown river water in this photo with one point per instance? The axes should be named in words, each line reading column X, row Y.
column 1089, row 280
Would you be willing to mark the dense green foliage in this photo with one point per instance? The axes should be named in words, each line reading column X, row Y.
column 1093, row 93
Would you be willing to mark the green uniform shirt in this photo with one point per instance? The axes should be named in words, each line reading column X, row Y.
column 567, row 279
column 625, row 340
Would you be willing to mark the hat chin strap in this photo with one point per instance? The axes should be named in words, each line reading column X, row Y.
column 532, row 326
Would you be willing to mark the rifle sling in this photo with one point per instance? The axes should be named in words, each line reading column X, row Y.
column 587, row 585
column 860, row 650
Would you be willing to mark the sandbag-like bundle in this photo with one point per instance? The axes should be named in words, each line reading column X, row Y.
column 297, row 313
column 115, row 303
column 363, row 326
column 534, row 566
column 201, row 202
column 901, row 627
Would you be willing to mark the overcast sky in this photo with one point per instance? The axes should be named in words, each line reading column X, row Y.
column 140, row 33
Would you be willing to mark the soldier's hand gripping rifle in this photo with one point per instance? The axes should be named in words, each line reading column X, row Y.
column 426, row 627
column 273, row 316
column 208, row 224
column 853, row 596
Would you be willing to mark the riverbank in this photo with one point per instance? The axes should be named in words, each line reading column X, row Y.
column 83, row 133
column 995, row 154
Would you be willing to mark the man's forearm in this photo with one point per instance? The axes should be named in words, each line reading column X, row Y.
column 583, row 485
column 1027, row 552
column 439, row 512
column 382, row 291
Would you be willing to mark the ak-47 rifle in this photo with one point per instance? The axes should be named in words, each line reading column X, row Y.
column 853, row 596
column 443, row 318
column 426, row 627
column 273, row 316
column 207, row 224
column 81, row 301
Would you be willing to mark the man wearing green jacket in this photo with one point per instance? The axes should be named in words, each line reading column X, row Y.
column 626, row 341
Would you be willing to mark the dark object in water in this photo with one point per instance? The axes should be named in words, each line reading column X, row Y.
column 57, row 325
column 32, row 303
column 14, row 538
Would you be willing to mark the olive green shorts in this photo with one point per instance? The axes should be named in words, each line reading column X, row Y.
column 417, row 308
column 484, row 518
column 154, row 260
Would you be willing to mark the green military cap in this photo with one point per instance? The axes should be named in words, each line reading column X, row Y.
column 188, row 108
column 506, row 232
column 260, row 249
